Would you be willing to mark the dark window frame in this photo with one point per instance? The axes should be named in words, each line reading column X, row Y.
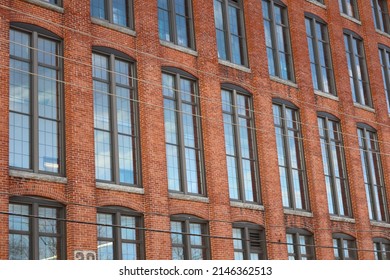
column 186, row 221
column 235, row 91
column 178, row 75
column 283, row 104
column 112, row 55
column 248, row 243
column 117, row 240
column 34, row 203
column 381, row 15
column 108, row 8
column 366, row 154
column 339, row 238
column 383, row 252
column 344, row 9
column 363, row 98
column 335, row 197
column 172, row 24
column 310, row 247
column 384, row 57
column 36, row 32
column 314, row 20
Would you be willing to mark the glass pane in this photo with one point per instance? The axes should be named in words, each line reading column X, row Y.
column 128, row 230
column 47, row 93
column 98, row 9
column 47, row 248
column 163, row 20
column 19, row 140
column 103, row 155
column 119, row 12
column 47, row 51
column 196, row 229
column 129, row 251
column 173, row 167
column 48, row 146
column 105, row 250
column 19, row 247
column 237, row 241
column 192, row 170
column 47, row 225
column 175, row 236
column 127, row 163
column 104, row 231
column 19, row 223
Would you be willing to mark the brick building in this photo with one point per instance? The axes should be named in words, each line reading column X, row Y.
column 194, row 129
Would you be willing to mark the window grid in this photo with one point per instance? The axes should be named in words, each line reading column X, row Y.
column 176, row 22
column 277, row 37
column 119, row 235
column 240, row 144
column 384, row 56
column 300, row 245
column 249, row 242
column 357, row 69
column 36, row 127
column 117, row 156
column 373, row 174
column 230, row 31
column 183, row 135
column 381, row 249
column 380, row 15
column 333, row 157
column 36, row 230
column 119, row 12
column 189, row 239
column 290, row 157
column 344, row 247
column 320, row 55
column 349, row 8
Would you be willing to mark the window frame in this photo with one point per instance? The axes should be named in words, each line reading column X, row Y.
column 34, row 203
column 235, row 91
column 109, row 15
column 186, row 221
column 381, row 253
column 314, row 20
column 227, row 33
column 116, row 213
column 274, row 41
column 363, row 98
column 113, row 55
column 364, row 153
column 35, row 32
column 246, row 229
column 380, row 14
column 384, row 57
column 57, row 2
column 339, row 238
column 178, row 75
column 173, row 34
column 342, row 164
column 309, row 247
column 344, row 10
column 283, row 104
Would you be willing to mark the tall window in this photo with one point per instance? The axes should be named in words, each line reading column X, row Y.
column 35, row 119
column 357, row 69
column 175, row 22
column 240, row 144
column 249, row 242
column 300, row 245
column 334, row 166
column 344, row 247
column 373, row 174
column 119, row 12
column 115, row 115
column 382, row 249
column 349, row 8
column 384, row 56
column 36, row 229
column 320, row 56
column 230, row 30
column 189, row 236
column 380, row 14
column 183, row 133
column 290, row 156
column 277, row 39
column 119, row 234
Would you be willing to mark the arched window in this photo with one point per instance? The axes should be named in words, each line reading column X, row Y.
column 249, row 242
column 300, row 244
column 344, row 247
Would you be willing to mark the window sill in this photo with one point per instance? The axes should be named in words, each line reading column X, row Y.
column 235, row 66
column 383, row 33
column 37, row 176
column 189, row 197
column 298, row 213
column 380, row 224
column 364, row 107
column 178, row 48
column 284, row 82
column 246, row 205
column 113, row 26
column 46, row 5
column 327, row 95
column 342, row 219
column 119, row 188
column 351, row 18
column 317, row 3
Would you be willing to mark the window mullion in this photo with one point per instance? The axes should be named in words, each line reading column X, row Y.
column 34, row 232
column 117, row 237
column 247, row 246
column 172, row 21
column 191, row 25
column 354, row 70
column 366, row 151
column 274, row 41
column 114, row 127
column 288, row 158
column 109, row 10
column 187, row 241
column 226, row 22
column 35, row 104
column 320, row 82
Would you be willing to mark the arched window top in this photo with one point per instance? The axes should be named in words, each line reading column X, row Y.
column 281, row 101
column 328, row 115
column 107, row 50
column 112, row 209
column 35, row 199
column 187, row 217
column 229, row 86
column 366, row 126
column 174, row 70
column 250, row 225
column 299, row 230
column 343, row 236
column 34, row 28
column 352, row 33
column 317, row 18
column 277, row 2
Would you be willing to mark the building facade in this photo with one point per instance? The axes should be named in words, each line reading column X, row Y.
column 183, row 129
